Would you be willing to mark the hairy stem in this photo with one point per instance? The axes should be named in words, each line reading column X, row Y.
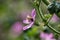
column 46, row 2
column 49, row 19
column 44, row 20
column 48, row 25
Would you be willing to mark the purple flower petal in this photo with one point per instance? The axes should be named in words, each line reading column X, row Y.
column 42, row 35
column 29, row 20
column 26, row 21
column 33, row 14
column 16, row 29
column 28, row 26
column 55, row 18
column 46, row 36
column 51, row 35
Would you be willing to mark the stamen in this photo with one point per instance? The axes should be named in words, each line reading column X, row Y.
column 29, row 18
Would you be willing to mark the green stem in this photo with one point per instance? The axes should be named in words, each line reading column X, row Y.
column 46, row 2
column 44, row 20
column 38, row 13
column 48, row 25
column 49, row 19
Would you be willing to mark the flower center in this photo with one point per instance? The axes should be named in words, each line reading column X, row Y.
column 29, row 18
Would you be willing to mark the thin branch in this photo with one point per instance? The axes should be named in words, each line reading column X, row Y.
column 46, row 2
column 44, row 20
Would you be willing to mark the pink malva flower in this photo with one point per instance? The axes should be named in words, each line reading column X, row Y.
column 46, row 36
column 16, row 29
column 55, row 18
column 29, row 20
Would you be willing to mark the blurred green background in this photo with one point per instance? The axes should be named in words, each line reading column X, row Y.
column 12, row 11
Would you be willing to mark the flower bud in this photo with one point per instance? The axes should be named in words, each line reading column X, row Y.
column 54, row 7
